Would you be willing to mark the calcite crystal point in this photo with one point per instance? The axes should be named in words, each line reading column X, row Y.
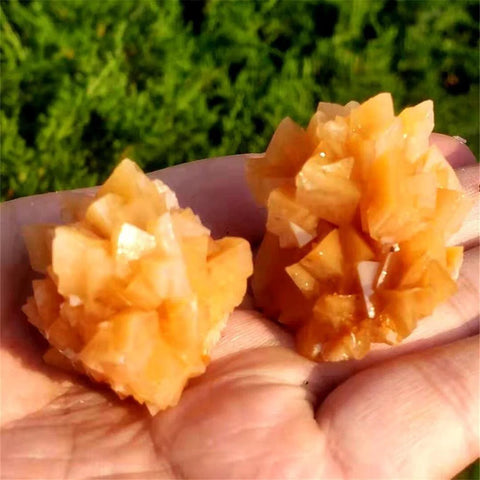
column 360, row 210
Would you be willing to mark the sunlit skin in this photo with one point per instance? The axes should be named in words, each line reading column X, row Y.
column 261, row 410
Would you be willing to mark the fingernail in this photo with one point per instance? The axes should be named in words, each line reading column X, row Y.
column 460, row 139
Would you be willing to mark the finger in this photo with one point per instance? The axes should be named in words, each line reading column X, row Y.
column 467, row 169
column 468, row 234
column 454, row 149
column 217, row 191
column 214, row 188
column 240, row 409
column 415, row 417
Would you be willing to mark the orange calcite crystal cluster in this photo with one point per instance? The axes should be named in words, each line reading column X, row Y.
column 136, row 291
column 360, row 209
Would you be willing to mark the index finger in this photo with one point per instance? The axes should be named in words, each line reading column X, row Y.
column 454, row 149
column 217, row 191
column 215, row 188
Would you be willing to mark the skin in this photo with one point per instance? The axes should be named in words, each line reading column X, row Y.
column 261, row 410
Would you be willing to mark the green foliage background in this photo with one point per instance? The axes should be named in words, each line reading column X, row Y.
column 86, row 82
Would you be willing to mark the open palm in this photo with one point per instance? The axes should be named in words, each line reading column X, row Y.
column 261, row 410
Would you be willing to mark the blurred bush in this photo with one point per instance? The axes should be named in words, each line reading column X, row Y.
column 87, row 82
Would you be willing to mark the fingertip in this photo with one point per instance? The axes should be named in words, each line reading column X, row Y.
column 454, row 149
column 413, row 411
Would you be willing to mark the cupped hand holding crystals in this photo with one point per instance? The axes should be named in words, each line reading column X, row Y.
column 261, row 410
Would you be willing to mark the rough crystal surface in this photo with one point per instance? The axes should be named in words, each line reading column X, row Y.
column 360, row 208
column 135, row 291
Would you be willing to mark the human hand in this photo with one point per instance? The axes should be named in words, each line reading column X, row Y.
column 261, row 410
